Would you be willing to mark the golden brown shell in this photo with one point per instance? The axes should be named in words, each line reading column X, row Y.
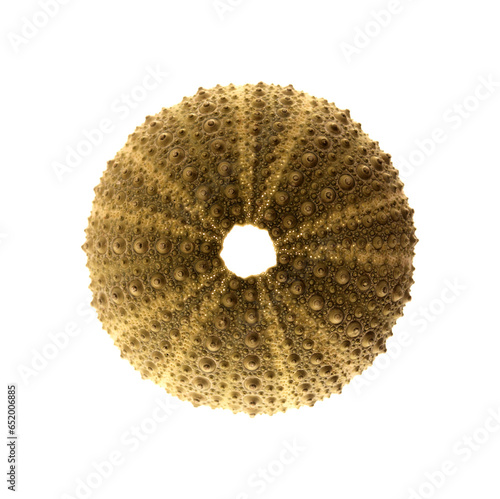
column 280, row 160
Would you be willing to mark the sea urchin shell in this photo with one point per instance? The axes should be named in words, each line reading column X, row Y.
column 280, row 160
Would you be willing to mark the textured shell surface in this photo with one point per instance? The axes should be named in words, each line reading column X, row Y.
column 334, row 207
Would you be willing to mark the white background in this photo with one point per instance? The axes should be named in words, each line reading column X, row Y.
column 412, row 79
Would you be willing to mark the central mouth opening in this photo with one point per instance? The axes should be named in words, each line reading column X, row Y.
column 248, row 250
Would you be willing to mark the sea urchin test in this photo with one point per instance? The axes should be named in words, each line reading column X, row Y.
column 280, row 160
